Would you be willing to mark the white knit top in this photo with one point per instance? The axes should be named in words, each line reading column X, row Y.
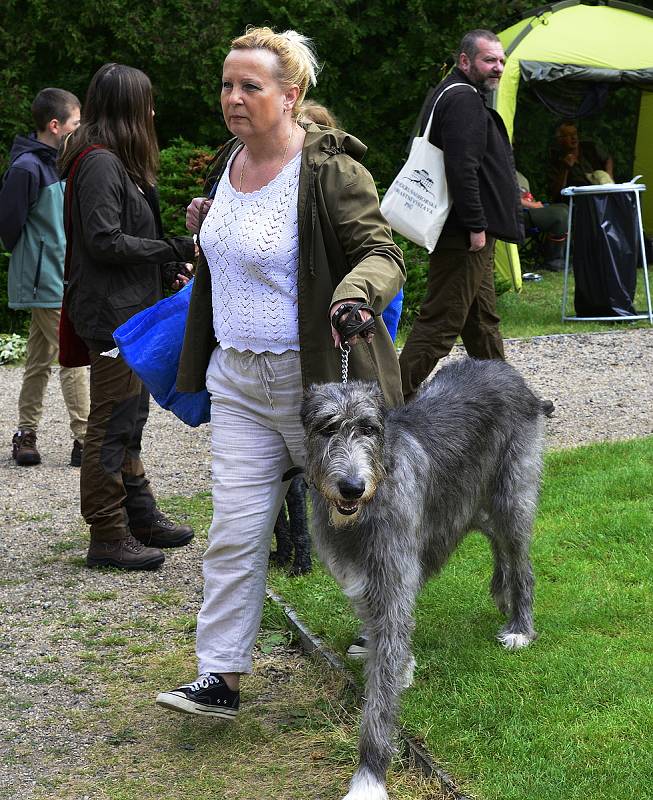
column 251, row 243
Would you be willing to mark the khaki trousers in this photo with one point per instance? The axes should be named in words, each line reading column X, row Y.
column 42, row 349
column 256, row 435
column 113, row 488
column 460, row 301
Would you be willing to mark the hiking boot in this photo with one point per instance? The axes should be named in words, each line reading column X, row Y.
column 76, row 454
column 358, row 648
column 162, row 532
column 208, row 696
column 126, row 553
column 23, row 449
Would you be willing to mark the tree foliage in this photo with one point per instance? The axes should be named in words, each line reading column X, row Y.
column 379, row 57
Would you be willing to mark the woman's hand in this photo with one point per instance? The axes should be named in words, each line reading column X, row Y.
column 197, row 206
column 183, row 277
column 365, row 315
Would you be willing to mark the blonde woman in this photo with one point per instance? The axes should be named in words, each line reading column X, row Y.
column 293, row 232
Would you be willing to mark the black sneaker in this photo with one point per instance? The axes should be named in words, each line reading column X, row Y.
column 76, row 454
column 208, row 696
column 358, row 648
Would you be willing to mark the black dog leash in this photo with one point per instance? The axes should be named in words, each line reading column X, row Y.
column 354, row 325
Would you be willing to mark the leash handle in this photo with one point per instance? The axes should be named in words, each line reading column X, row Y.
column 354, row 325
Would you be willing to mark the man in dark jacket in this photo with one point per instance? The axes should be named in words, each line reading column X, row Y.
column 460, row 298
column 31, row 227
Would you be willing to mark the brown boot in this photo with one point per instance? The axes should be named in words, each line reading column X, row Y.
column 126, row 553
column 23, row 449
column 162, row 532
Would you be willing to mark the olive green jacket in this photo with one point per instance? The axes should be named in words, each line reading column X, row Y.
column 345, row 251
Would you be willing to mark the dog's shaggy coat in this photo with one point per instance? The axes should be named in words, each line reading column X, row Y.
column 395, row 491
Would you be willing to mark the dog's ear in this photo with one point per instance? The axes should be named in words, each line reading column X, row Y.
column 380, row 398
column 307, row 410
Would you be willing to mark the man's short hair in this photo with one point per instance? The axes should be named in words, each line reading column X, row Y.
column 52, row 104
column 469, row 43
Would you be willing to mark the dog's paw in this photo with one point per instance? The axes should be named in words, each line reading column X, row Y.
column 364, row 786
column 514, row 641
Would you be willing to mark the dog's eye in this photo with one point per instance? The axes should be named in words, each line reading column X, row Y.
column 368, row 430
column 330, row 430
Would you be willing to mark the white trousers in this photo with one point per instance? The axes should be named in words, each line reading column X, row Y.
column 256, row 435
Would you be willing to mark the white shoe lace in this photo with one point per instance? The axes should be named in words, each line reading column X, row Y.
column 203, row 682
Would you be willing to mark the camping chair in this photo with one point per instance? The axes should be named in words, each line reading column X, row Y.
column 531, row 252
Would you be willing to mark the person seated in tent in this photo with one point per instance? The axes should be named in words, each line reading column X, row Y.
column 576, row 163
column 547, row 218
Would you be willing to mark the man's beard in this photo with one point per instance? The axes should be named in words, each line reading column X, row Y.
column 487, row 83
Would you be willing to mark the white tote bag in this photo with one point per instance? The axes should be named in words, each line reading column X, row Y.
column 417, row 203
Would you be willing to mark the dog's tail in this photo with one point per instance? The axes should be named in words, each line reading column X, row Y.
column 547, row 407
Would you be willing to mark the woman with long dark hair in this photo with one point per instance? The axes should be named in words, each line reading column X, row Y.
column 119, row 260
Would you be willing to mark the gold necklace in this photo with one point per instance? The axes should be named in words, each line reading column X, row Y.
column 283, row 159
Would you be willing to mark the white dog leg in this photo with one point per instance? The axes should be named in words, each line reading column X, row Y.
column 514, row 641
column 364, row 786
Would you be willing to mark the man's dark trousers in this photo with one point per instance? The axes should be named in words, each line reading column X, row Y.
column 460, row 301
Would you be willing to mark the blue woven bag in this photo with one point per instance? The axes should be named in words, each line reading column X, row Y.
column 150, row 342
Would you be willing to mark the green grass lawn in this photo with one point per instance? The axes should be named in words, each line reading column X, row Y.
column 572, row 715
column 537, row 310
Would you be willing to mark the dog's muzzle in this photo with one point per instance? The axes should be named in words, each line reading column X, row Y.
column 350, row 493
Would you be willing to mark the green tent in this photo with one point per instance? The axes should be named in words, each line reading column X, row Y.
column 608, row 43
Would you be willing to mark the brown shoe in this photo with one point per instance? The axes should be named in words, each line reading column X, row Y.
column 162, row 532
column 23, row 449
column 124, row 553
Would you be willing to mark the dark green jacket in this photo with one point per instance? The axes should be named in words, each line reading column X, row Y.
column 345, row 251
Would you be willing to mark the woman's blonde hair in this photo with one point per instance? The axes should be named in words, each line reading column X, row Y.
column 298, row 63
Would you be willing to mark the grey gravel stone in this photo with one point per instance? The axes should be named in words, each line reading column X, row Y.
column 600, row 384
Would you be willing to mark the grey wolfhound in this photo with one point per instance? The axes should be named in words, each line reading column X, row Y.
column 394, row 492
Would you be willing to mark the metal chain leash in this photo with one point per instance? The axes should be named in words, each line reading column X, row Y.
column 352, row 326
column 345, row 349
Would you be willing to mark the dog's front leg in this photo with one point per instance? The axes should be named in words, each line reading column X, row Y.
column 388, row 661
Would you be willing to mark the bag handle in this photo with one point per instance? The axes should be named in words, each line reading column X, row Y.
column 68, row 201
column 427, row 130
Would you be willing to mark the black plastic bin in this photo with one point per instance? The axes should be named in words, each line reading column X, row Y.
column 606, row 254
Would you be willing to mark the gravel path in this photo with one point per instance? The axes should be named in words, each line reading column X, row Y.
column 599, row 383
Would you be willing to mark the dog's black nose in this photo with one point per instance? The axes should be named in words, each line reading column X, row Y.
column 351, row 489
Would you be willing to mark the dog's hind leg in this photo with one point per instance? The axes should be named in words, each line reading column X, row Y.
column 515, row 504
column 500, row 583
column 515, row 574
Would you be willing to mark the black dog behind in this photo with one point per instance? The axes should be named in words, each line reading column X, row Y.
column 291, row 531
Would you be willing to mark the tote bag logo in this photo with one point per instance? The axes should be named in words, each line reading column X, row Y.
column 417, row 203
column 422, row 178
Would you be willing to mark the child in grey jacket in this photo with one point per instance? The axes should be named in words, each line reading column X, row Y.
column 32, row 229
